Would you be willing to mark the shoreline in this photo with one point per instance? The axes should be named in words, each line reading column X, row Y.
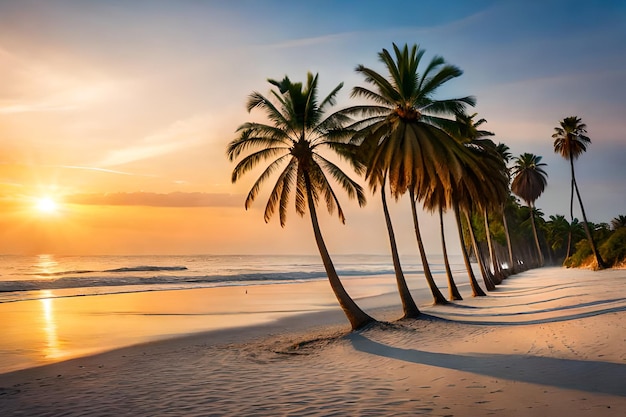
column 45, row 331
column 548, row 342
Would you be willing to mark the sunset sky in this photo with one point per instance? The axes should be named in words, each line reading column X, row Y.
column 120, row 111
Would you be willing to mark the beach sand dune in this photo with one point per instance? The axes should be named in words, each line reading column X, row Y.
column 548, row 342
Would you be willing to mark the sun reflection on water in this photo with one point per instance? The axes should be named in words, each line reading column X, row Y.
column 46, row 264
column 52, row 348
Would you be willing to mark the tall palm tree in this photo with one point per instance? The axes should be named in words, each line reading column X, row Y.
column 529, row 182
column 437, row 200
column 470, row 134
column 506, row 156
column 403, row 130
column 570, row 141
column 297, row 132
column 476, row 290
column 484, row 184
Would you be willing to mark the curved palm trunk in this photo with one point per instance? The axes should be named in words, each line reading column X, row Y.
column 497, row 273
column 476, row 290
column 532, row 222
column 594, row 249
column 408, row 304
column 488, row 283
column 453, row 291
column 357, row 317
column 438, row 297
column 512, row 265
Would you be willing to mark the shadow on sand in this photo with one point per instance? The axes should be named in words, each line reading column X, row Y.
column 583, row 375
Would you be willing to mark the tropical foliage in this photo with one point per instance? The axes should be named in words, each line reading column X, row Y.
column 402, row 137
column 407, row 142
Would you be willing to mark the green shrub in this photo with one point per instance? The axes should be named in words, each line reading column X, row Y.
column 613, row 250
column 580, row 256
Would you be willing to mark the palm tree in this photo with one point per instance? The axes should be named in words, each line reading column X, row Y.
column 298, row 131
column 491, row 159
column 403, row 130
column 506, row 156
column 476, row 290
column 529, row 181
column 485, row 184
column 436, row 200
column 570, row 141
column 557, row 230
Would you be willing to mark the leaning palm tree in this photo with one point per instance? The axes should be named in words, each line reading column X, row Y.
column 297, row 132
column 529, row 181
column 437, row 200
column 570, row 141
column 403, row 130
column 469, row 133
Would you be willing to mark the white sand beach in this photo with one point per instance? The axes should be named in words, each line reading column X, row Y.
column 547, row 342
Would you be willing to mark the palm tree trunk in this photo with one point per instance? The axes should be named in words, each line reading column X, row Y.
column 408, row 304
column 512, row 265
column 594, row 249
column 571, row 212
column 571, row 208
column 476, row 290
column 532, row 221
column 569, row 243
column 497, row 274
column 357, row 317
column 488, row 283
column 438, row 297
column 453, row 291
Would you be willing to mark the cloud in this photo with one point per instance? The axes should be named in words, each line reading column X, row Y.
column 104, row 170
column 178, row 135
column 175, row 199
column 40, row 85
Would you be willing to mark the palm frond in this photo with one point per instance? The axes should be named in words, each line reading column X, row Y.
column 271, row 168
column 250, row 161
column 448, row 107
column 331, row 98
column 269, row 138
column 351, row 187
column 275, row 195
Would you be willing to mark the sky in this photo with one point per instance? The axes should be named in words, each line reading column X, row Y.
column 120, row 112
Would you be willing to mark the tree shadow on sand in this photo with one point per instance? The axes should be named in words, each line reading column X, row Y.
column 453, row 316
column 583, row 375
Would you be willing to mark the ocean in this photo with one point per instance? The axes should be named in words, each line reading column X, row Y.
column 50, row 276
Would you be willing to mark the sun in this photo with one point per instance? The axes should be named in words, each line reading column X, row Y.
column 46, row 205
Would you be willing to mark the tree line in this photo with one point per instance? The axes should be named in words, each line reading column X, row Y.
column 405, row 141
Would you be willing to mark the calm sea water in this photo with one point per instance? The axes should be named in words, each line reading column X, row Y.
column 49, row 276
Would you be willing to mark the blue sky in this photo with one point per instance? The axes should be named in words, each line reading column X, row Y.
column 143, row 96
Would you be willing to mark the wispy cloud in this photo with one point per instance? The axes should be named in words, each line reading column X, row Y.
column 40, row 85
column 104, row 170
column 317, row 40
column 180, row 134
column 175, row 199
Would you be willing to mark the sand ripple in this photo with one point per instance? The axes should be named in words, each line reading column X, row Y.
column 522, row 351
